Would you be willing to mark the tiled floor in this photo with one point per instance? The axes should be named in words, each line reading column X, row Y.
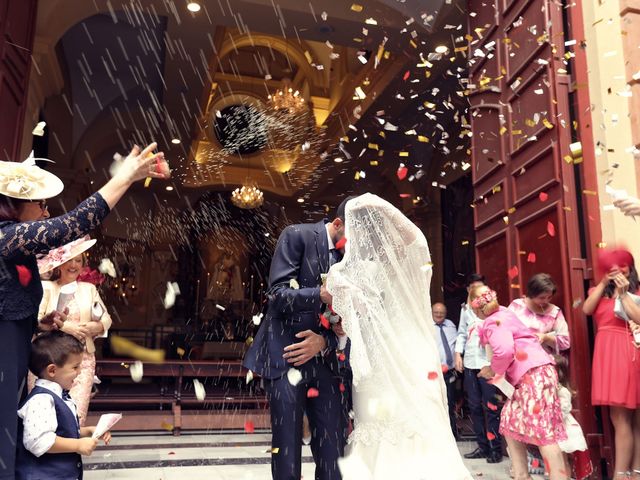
column 214, row 456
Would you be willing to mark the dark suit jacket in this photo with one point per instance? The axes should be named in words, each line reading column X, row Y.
column 302, row 253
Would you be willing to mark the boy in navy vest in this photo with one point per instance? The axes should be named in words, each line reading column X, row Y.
column 50, row 440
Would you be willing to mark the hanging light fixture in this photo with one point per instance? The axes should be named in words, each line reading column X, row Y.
column 248, row 196
column 288, row 100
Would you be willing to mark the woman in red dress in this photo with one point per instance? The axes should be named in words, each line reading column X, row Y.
column 616, row 359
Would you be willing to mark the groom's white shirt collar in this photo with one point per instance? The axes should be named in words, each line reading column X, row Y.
column 332, row 245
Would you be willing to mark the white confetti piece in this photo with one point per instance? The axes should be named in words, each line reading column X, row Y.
column 199, row 390
column 106, row 267
column 293, row 283
column 136, row 370
column 173, row 290
column 39, row 129
column 294, row 376
column 249, row 377
column 257, row 319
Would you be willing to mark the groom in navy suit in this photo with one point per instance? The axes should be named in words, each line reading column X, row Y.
column 292, row 336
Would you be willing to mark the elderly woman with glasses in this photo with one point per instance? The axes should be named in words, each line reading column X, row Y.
column 26, row 231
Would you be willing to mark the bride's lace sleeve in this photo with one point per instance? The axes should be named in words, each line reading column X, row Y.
column 29, row 238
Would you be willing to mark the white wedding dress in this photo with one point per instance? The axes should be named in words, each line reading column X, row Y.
column 381, row 291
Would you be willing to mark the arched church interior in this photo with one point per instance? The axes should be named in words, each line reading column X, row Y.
column 270, row 113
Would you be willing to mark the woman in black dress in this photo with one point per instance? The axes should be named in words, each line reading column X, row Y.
column 25, row 231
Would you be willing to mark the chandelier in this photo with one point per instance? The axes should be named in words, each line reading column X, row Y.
column 286, row 99
column 248, row 196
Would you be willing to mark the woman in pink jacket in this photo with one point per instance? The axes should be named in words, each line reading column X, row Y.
column 532, row 415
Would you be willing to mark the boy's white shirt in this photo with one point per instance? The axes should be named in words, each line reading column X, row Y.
column 39, row 419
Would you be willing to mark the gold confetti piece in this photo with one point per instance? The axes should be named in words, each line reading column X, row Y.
column 373, row 163
column 568, row 159
column 382, row 134
column 413, row 44
column 515, row 285
column 166, row 426
column 511, row 210
column 387, row 54
column 503, row 130
column 589, row 192
column 123, row 347
column 547, row 123
column 357, row 176
column 529, row 123
column 468, row 37
column 381, row 153
column 465, row 242
column 403, row 154
column 373, row 146
column 248, row 341
column 308, row 56
column 503, row 70
column 275, row 450
column 147, row 182
column 356, row 7
column 567, row 209
column 460, row 49
column 380, row 52
column 180, row 351
column 516, row 132
column 423, row 139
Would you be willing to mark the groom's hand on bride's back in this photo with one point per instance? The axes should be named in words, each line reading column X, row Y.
column 325, row 296
column 300, row 353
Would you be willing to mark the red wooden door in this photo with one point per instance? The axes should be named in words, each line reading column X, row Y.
column 17, row 29
column 526, row 211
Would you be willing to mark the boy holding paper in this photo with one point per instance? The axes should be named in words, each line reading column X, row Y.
column 50, row 440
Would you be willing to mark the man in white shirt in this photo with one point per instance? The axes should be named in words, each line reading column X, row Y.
column 446, row 337
column 481, row 395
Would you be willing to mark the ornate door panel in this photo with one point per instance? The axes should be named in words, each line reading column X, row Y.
column 17, row 29
column 526, row 217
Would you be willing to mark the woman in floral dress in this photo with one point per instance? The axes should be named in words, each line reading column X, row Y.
column 532, row 415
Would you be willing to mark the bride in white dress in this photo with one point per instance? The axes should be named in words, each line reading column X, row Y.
column 381, row 291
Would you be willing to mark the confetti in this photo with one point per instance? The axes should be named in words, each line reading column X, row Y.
column 256, row 319
column 513, row 272
column 531, row 258
column 249, row 378
column 106, row 267
column 490, row 436
column 432, row 375
column 24, row 275
column 293, row 283
column 402, row 172
column 313, row 393
column 249, row 427
column 492, row 406
column 38, row 130
column 294, row 376
column 199, row 390
column 521, row 355
column 543, row 197
column 356, row 7
column 173, row 290
column 551, row 229
column 136, row 370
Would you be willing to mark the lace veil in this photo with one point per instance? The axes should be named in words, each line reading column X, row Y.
column 381, row 291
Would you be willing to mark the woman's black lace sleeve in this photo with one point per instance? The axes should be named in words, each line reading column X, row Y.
column 30, row 238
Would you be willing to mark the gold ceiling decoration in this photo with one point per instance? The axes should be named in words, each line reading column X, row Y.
column 248, row 196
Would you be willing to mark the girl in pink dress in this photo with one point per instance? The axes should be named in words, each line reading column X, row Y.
column 532, row 414
column 544, row 318
column 615, row 374
column 86, row 317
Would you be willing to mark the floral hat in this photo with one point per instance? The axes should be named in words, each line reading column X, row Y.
column 26, row 181
column 60, row 255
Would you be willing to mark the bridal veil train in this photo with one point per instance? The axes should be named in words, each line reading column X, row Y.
column 381, row 291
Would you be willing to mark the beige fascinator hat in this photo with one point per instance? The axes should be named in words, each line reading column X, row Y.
column 26, row 181
column 60, row 255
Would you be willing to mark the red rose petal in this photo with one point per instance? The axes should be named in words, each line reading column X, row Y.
column 531, row 258
column 535, row 463
column 492, row 407
column 432, row 375
column 445, row 368
column 341, row 243
column 24, row 275
column 543, row 197
column 342, row 387
column 405, row 77
column 513, row 272
column 551, row 229
column 313, row 393
column 342, row 357
column 521, row 356
column 402, row 172
column 324, row 321
column 490, row 436
column 249, row 427
column 537, row 408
